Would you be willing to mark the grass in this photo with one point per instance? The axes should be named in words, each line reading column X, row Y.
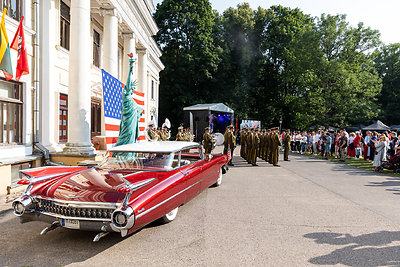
column 358, row 163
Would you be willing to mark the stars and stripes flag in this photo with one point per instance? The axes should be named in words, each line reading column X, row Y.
column 63, row 117
column 112, row 99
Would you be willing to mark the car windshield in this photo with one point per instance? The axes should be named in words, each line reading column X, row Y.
column 139, row 160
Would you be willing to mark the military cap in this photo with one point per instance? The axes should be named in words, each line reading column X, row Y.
column 151, row 123
column 207, row 128
column 180, row 128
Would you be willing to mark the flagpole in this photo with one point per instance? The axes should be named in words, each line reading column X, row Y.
column 36, row 82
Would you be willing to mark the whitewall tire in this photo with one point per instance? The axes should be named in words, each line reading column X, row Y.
column 169, row 217
column 219, row 180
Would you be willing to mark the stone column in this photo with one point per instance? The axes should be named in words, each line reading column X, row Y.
column 79, row 81
column 129, row 47
column 49, row 121
column 142, row 67
column 110, row 41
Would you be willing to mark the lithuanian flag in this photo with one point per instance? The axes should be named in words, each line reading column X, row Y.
column 5, row 58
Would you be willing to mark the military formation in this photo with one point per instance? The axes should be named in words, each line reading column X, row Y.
column 255, row 144
column 263, row 144
column 184, row 134
column 157, row 134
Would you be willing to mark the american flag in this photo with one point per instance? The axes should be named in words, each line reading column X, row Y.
column 63, row 117
column 112, row 99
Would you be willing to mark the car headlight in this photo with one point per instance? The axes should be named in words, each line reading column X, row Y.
column 21, row 204
column 123, row 218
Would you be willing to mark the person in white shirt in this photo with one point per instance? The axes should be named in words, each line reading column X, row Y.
column 315, row 143
column 298, row 142
column 303, row 142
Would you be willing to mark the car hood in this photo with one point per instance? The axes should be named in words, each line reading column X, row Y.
column 90, row 185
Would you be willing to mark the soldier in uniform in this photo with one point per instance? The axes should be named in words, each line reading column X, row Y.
column 242, row 143
column 259, row 141
column 151, row 133
column 180, row 135
column 262, row 143
column 249, row 140
column 229, row 142
column 269, row 147
column 208, row 141
column 286, row 144
column 159, row 134
column 255, row 141
column 276, row 143
column 246, row 148
column 266, row 145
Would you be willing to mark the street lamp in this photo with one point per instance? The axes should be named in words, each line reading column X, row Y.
column 280, row 124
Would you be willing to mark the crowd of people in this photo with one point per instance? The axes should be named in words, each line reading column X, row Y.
column 375, row 147
column 264, row 144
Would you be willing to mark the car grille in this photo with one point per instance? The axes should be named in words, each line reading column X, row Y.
column 49, row 206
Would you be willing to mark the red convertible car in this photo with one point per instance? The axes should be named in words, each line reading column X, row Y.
column 135, row 185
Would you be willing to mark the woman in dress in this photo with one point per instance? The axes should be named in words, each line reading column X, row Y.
column 351, row 150
column 337, row 138
column 380, row 152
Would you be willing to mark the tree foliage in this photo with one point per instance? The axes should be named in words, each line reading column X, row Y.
column 186, row 39
column 387, row 63
column 274, row 63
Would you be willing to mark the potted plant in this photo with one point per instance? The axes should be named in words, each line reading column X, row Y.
column 96, row 143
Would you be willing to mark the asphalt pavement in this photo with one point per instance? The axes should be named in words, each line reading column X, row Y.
column 307, row 212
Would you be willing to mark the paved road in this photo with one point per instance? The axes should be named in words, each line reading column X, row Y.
column 307, row 212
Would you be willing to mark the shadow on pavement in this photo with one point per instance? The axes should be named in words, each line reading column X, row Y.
column 22, row 244
column 362, row 250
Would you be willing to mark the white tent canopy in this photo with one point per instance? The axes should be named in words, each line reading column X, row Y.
column 376, row 126
column 218, row 107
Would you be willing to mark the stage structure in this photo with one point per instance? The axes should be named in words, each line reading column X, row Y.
column 199, row 116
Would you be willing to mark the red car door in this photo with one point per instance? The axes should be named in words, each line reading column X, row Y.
column 193, row 174
column 210, row 172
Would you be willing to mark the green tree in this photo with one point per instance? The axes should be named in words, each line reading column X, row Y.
column 347, row 81
column 185, row 37
column 288, row 47
column 387, row 63
column 232, row 80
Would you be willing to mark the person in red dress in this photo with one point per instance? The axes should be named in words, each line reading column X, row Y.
column 351, row 149
column 357, row 144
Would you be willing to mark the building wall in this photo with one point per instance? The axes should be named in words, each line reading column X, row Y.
column 133, row 17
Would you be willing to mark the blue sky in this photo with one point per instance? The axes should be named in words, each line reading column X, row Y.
column 383, row 15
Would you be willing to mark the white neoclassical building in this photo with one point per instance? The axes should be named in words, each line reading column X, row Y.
column 59, row 104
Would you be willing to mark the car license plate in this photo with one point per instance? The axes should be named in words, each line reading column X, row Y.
column 68, row 223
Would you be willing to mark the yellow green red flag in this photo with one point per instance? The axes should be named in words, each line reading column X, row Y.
column 5, row 58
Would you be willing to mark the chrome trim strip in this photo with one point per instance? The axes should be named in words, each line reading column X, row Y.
column 81, row 204
column 134, row 187
column 168, row 199
column 47, row 177
column 58, row 216
column 48, row 190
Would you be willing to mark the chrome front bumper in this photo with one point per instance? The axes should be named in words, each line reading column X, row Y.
column 85, row 225
column 91, row 216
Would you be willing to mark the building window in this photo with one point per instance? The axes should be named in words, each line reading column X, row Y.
column 96, row 49
column 63, row 126
column 64, row 25
column 96, row 118
column 16, row 175
column 152, row 90
column 10, row 113
column 15, row 8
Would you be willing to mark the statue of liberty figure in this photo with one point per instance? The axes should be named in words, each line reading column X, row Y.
column 130, row 111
